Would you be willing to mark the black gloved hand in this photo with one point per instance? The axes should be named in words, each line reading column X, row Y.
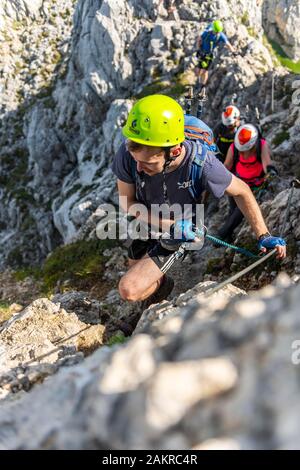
column 272, row 172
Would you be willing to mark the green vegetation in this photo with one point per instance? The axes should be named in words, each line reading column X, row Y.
column 4, row 311
column 15, row 171
column 46, row 91
column 118, row 338
column 76, row 266
column 280, row 137
column 49, row 102
column 15, row 257
column 56, row 58
column 174, row 89
column 17, row 25
column 213, row 265
column 245, row 19
column 252, row 32
column 282, row 56
column 155, row 87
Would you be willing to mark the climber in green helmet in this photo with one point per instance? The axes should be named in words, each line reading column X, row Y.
column 156, row 166
column 209, row 40
column 217, row 26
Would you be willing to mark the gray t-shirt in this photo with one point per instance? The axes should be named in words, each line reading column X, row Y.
column 215, row 177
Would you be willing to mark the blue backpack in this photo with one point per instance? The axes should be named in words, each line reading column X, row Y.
column 202, row 139
column 197, row 130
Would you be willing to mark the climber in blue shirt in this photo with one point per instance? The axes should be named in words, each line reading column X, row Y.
column 206, row 44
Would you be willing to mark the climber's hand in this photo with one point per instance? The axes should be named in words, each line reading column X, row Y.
column 272, row 174
column 267, row 242
column 186, row 231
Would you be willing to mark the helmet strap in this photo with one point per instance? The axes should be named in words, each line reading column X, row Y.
column 168, row 158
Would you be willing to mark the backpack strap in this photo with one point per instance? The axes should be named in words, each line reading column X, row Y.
column 236, row 157
column 259, row 149
column 196, row 163
column 196, row 133
column 138, row 180
column 195, row 168
column 133, row 169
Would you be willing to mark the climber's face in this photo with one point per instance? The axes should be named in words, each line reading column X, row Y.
column 236, row 125
column 150, row 160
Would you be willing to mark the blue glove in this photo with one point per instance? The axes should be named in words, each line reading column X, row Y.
column 269, row 242
column 183, row 230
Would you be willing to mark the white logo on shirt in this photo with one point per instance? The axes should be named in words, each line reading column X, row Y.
column 185, row 184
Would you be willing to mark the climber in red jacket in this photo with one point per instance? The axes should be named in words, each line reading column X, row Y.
column 248, row 158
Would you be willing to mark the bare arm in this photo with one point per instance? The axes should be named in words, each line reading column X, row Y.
column 229, row 159
column 230, row 47
column 249, row 207
column 127, row 201
column 266, row 157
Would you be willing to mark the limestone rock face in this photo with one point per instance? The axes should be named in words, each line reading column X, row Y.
column 37, row 341
column 215, row 373
column 17, row 9
column 282, row 22
column 200, row 371
column 69, row 73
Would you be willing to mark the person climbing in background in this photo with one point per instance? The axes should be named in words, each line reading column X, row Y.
column 248, row 158
column 169, row 9
column 209, row 40
column 225, row 131
column 158, row 165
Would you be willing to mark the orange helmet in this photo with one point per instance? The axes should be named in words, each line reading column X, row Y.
column 246, row 137
column 230, row 115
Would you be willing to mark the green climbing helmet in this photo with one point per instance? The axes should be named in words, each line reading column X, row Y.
column 156, row 120
column 217, row 26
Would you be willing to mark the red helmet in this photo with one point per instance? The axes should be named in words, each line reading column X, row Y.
column 246, row 137
column 230, row 115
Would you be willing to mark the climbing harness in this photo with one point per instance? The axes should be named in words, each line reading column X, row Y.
column 181, row 252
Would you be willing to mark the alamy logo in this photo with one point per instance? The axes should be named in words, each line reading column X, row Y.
column 185, row 184
column 296, row 354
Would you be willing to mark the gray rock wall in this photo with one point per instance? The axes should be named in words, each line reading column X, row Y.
column 66, row 92
column 214, row 373
column 281, row 20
